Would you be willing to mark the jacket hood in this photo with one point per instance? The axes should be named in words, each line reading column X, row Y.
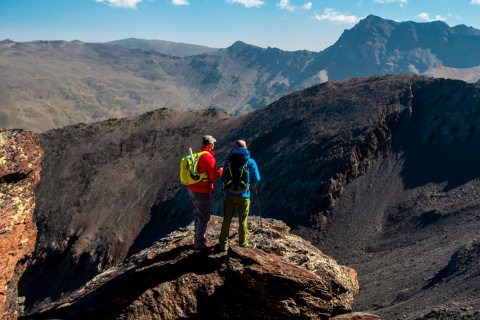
column 240, row 151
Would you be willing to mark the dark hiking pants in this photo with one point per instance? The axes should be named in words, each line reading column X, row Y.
column 201, row 206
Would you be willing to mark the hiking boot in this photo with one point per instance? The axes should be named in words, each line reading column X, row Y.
column 207, row 247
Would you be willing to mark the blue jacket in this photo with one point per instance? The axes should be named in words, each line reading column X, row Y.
column 252, row 168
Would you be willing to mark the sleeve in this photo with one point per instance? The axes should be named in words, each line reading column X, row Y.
column 213, row 172
column 255, row 175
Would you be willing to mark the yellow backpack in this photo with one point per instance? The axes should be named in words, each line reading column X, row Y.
column 188, row 168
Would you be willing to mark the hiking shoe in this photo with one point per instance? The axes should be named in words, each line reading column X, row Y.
column 207, row 247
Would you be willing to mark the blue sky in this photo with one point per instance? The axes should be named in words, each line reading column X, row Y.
column 286, row 24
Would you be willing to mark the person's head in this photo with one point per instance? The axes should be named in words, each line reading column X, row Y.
column 240, row 143
column 208, row 141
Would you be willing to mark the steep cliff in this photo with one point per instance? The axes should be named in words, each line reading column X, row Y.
column 20, row 167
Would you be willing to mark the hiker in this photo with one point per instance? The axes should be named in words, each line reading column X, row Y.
column 199, row 193
column 240, row 172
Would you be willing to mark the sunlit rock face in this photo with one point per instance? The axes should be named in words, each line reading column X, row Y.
column 20, row 167
column 279, row 276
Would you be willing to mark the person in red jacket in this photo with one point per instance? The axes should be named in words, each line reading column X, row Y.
column 199, row 193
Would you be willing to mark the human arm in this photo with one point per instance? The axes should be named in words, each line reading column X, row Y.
column 254, row 173
column 211, row 167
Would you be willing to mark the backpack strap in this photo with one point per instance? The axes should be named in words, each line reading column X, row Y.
column 203, row 176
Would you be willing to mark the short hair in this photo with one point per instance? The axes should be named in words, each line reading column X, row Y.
column 240, row 143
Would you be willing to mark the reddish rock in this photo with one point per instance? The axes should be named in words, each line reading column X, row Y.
column 281, row 276
column 20, row 159
column 356, row 316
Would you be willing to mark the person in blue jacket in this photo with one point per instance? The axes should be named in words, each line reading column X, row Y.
column 237, row 192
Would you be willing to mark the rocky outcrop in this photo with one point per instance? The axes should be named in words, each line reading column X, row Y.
column 20, row 167
column 357, row 316
column 280, row 276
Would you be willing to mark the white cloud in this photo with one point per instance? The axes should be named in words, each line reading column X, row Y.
column 248, row 3
column 180, row 2
column 439, row 17
column 334, row 16
column 475, row 2
column 308, row 6
column 426, row 17
column 286, row 5
column 121, row 3
column 402, row 3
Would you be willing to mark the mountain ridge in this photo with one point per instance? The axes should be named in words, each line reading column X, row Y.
column 166, row 47
column 54, row 84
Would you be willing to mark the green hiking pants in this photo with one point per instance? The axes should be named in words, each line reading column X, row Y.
column 242, row 205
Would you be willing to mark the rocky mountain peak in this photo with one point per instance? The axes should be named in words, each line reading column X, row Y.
column 463, row 29
column 241, row 48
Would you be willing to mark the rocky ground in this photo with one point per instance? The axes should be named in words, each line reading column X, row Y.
column 417, row 251
column 280, row 276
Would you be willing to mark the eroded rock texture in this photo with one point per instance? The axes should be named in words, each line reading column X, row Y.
column 356, row 316
column 281, row 276
column 20, row 159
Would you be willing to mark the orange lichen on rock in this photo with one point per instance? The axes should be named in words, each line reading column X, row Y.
column 20, row 167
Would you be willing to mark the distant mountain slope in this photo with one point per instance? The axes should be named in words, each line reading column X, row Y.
column 53, row 84
column 380, row 173
column 377, row 46
column 165, row 47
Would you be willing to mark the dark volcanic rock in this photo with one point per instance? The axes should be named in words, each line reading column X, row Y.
column 380, row 173
column 283, row 276
column 20, row 167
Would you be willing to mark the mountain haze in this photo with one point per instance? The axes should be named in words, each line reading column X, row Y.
column 165, row 47
column 51, row 84
column 379, row 173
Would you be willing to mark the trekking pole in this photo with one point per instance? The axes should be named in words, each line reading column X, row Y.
column 258, row 203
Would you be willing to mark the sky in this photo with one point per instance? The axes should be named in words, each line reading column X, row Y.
column 289, row 25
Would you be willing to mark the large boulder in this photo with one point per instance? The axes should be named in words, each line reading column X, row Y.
column 20, row 167
column 279, row 276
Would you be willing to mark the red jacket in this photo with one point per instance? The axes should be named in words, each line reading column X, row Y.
column 206, row 164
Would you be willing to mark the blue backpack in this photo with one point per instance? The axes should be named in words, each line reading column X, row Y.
column 237, row 177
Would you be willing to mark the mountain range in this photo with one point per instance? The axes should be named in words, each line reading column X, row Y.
column 51, row 84
column 379, row 173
